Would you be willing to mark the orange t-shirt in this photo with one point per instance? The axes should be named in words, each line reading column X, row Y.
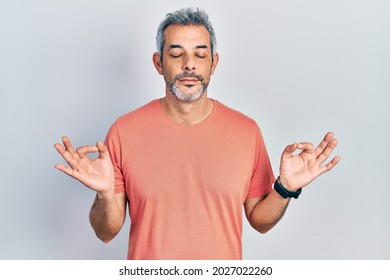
column 186, row 184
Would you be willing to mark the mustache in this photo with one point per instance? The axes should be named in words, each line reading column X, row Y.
column 188, row 75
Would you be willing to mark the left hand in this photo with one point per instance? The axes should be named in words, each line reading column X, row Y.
column 297, row 171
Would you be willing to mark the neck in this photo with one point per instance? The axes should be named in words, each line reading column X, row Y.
column 187, row 112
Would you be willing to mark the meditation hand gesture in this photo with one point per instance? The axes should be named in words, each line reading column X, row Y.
column 297, row 171
column 96, row 173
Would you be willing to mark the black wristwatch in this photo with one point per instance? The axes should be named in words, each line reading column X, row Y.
column 284, row 192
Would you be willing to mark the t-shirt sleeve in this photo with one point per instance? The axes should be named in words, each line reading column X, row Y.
column 263, row 176
column 114, row 147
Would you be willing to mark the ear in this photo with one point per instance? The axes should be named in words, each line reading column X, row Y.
column 215, row 62
column 157, row 63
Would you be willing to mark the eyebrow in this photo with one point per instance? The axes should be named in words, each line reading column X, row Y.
column 174, row 46
column 202, row 47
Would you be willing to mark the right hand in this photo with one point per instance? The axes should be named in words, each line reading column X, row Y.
column 95, row 173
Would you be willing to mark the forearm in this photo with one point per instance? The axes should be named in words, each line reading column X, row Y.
column 106, row 216
column 268, row 212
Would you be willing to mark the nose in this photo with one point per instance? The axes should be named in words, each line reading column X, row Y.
column 188, row 63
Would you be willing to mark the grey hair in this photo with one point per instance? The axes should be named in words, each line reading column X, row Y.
column 185, row 16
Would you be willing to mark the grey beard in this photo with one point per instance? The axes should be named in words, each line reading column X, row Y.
column 183, row 96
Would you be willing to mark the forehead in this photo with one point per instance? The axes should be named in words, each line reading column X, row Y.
column 187, row 35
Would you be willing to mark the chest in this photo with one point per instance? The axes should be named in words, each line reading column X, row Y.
column 176, row 166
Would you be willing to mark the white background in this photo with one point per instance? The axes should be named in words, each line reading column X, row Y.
column 299, row 68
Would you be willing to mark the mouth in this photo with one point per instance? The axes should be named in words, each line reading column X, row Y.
column 188, row 80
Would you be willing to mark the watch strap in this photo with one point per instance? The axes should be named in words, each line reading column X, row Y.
column 280, row 189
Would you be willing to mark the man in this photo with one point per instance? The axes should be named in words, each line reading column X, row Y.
column 185, row 164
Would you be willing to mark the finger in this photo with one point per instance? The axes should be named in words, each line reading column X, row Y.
column 68, row 157
column 68, row 145
column 289, row 150
column 62, row 168
column 324, row 143
column 84, row 150
column 103, row 151
column 60, row 149
column 328, row 150
column 69, row 171
column 306, row 147
column 330, row 165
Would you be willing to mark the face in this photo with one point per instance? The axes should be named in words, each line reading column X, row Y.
column 187, row 63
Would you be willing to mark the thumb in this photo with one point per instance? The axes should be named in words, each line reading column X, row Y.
column 289, row 150
column 306, row 147
column 103, row 151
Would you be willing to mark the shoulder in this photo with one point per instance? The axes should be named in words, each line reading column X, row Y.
column 134, row 117
column 135, row 121
column 233, row 116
